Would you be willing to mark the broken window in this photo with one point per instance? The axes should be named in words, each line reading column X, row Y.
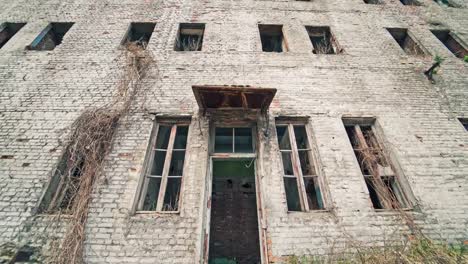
column 163, row 178
column 139, row 34
column 300, row 175
column 64, row 185
column 8, row 30
column 272, row 38
column 233, row 140
column 464, row 122
column 450, row 40
column 190, row 37
column 410, row 2
column 380, row 178
column 373, row 2
column 406, row 42
column 322, row 40
column 51, row 36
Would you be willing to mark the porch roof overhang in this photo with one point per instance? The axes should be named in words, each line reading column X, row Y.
column 218, row 97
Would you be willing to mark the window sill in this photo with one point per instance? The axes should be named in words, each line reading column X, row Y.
column 322, row 211
column 393, row 211
column 157, row 213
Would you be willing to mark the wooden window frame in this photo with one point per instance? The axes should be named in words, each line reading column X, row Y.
column 165, row 173
column 233, row 154
column 296, row 165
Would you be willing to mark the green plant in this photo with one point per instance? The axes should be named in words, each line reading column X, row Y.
column 465, row 59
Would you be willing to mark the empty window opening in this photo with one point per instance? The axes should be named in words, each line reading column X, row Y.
column 373, row 2
column 322, row 40
column 464, row 122
column 233, row 140
column 163, row 179
column 450, row 41
column 190, row 37
column 410, row 2
column 446, row 3
column 64, row 185
column 139, row 34
column 300, row 175
column 8, row 30
column 406, row 42
column 51, row 36
column 234, row 236
column 272, row 38
column 380, row 178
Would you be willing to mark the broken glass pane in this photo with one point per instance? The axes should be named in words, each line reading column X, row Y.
column 162, row 140
column 171, row 199
column 177, row 163
column 301, row 137
column 243, row 140
column 283, row 137
column 151, row 198
column 373, row 194
column 287, row 164
column 314, row 197
column 158, row 162
column 306, row 165
column 292, row 194
column 180, row 141
column 223, row 140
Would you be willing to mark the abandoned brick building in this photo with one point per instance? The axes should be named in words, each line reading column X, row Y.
column 230, row 131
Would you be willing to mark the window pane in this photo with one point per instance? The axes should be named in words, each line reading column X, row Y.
column 373, row 193
column 292, row 194
column 177, row 163
column 243, row 140
column 180, row 141
column 306, row 164
column 301, row 137
column 287, row 165
column 158, row 162
column 171, row 199
column 162, row 140
column 223, row 139
column 283, row 137
column 314, row 197
column 151, row 198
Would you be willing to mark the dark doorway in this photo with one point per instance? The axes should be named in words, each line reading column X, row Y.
column 234, row 235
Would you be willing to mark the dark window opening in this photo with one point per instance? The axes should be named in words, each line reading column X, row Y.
column 272, row 38
column 8, row 30
column 163, row 180
column 233, row 140
column 190, row 37
column 234, row 236
column 464, row 122
column 322, row 40
column 448, row 39
column 406, row 42
column 64, row 186
column 51, row 36
column 373, row 2
column 410, row 2
column 139, row 34
column 382, row 183
column 299, row 173
column 446, row 3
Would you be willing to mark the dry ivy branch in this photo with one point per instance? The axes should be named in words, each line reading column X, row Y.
column 89, row 144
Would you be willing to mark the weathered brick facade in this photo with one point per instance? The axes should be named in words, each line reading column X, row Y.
column 43, row 92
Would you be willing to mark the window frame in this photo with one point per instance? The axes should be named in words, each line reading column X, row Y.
column 296, row 164
column 233, row 125
column 149, row 162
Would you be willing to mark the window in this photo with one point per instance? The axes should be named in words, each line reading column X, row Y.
column 63, row 187
column 190, row 37
column 233, row 140
column 373, row 2
column 139, row 33
column 383, row 184
column 410, row 2
column 272, row 38
column 406, row 42
column 464, row 122
column 450, row 41
column 50, row 37
column 300, row 175
column 163, row 177
column 8, row 30
column 322, row 40
column 446, row 3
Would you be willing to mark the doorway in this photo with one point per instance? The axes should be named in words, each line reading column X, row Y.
column 234, row 234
